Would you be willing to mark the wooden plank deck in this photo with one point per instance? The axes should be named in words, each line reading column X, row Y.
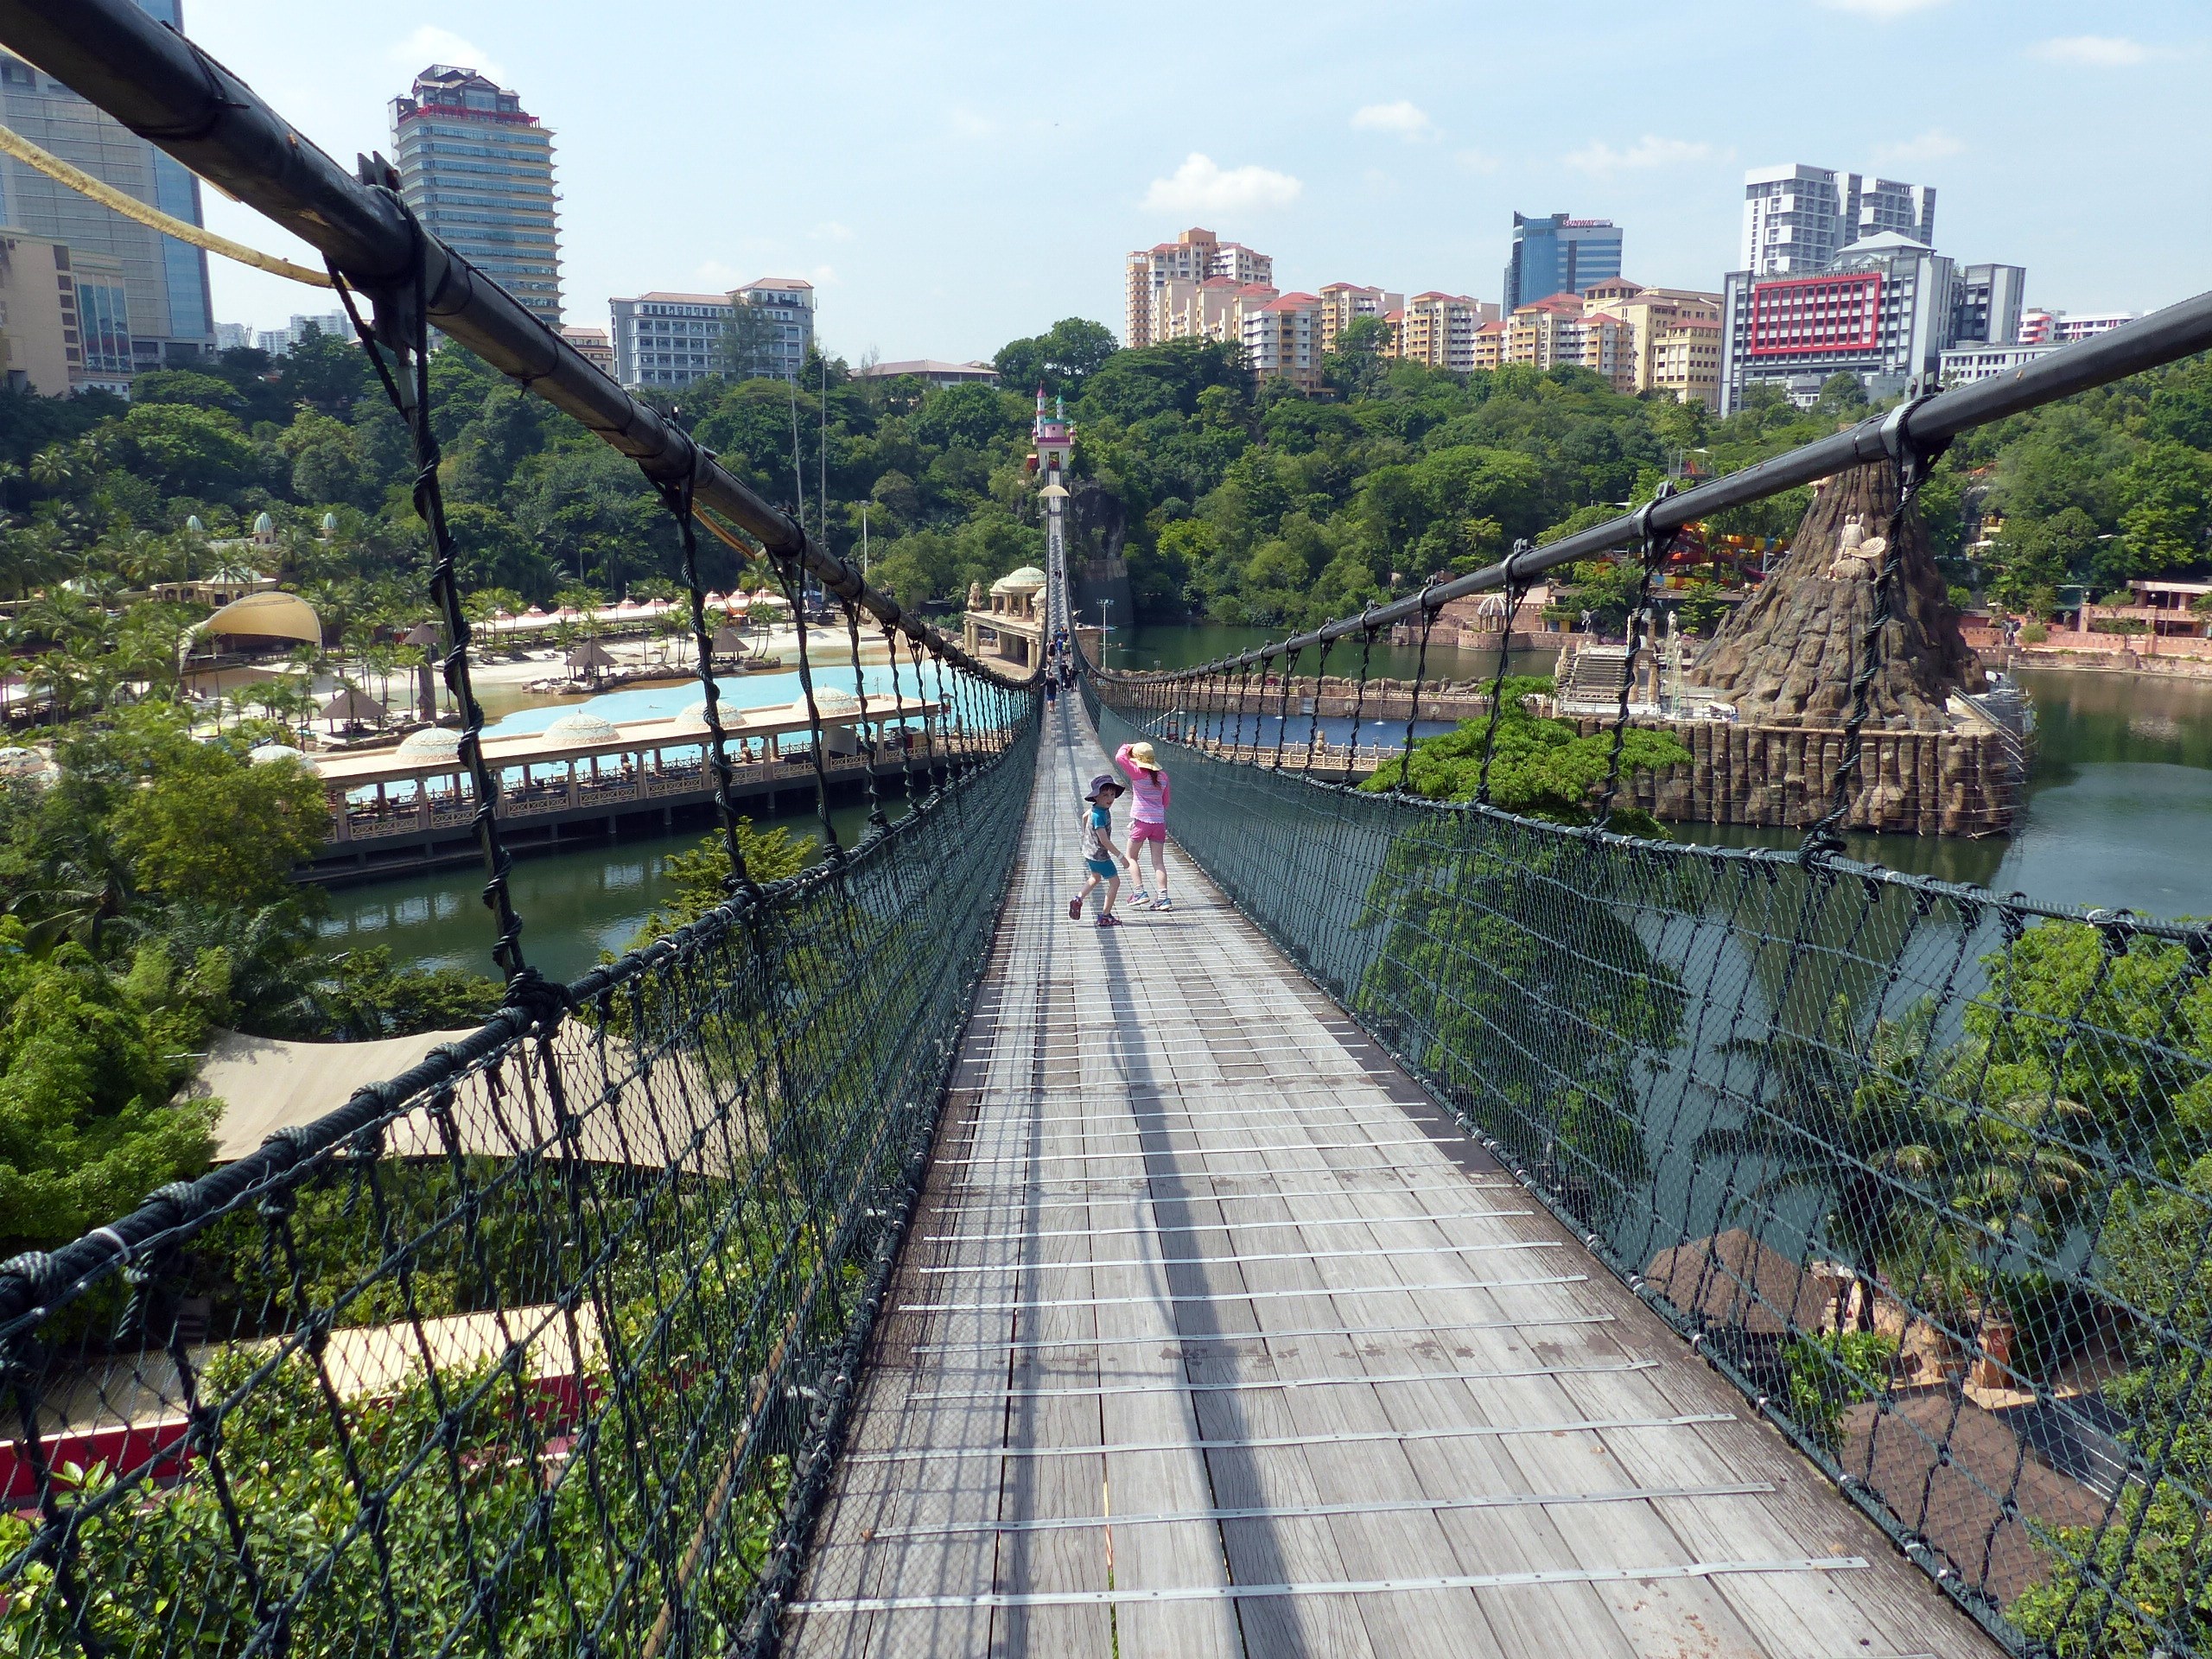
column 1215, row 1336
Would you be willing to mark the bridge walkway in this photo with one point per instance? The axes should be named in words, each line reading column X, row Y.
column 1215, row 1336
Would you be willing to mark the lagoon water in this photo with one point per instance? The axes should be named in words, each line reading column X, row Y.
column 2118, row 812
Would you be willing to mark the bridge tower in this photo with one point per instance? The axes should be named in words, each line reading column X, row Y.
column 1052, row 445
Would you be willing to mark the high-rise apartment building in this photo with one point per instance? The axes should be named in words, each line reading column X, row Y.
column 166, row 313
column 477, row 168
column 672, row 340
column 1561, row 329
column 1345, row 303
column 1882, row 311
column 279, row 342
column 1439, row 330
column 1677, row 337
column 1798, row 219
column 780, row 331
column 1986, row 305
column 1558, row 254
column 1193, row 258
column 596, row 346
column 1282, row 339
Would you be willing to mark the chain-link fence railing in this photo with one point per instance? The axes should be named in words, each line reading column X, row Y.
column 1927, row 1173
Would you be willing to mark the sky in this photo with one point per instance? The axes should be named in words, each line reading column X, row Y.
column 953, row 176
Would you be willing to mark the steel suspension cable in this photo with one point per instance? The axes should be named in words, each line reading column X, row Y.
column 1413, row 708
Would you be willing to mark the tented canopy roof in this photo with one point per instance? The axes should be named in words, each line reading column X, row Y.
column 267, row 616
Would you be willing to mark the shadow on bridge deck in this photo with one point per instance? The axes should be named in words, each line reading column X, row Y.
column 1214, row 1336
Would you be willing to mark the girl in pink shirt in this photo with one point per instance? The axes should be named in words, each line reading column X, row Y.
column 1149, row 792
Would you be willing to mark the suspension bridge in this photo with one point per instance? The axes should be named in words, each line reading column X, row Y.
column 1446, row 1232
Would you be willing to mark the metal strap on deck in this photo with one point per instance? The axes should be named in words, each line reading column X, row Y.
column 1171, row 1339
column 1129, row 1113
column 1045, row 1200
column 1072, row 1181
column 1192, row 1151
column 1252, row 1385
column 1230, row 1295
column 1332, row 1587
column 1349, row 1437
column 1313, row 1511
column 1034, row 1266
column 1211, row 1226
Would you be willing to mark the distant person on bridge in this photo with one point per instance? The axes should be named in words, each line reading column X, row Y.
column 1148, row 819
column 1100, row 854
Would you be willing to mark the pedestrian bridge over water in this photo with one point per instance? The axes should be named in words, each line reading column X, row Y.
column 1449, row 1231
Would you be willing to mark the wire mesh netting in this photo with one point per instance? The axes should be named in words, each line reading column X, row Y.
column 541, row 1347
column 1927, row 1173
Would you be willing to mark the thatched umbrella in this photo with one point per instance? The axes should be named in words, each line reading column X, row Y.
column 1788, row 657
column 590, row 660
column 425, row 637
column 352, row 707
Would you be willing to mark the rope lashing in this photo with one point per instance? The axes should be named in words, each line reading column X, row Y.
column 1421, row 674
column 404, row 313
column 1652, row 551
column 677, row 497
column 1282, row 703
column 795, row 595
column 1515, row 590
column 1910, row 464
column 864, row 734
column 99, row 190
column 1359, row 694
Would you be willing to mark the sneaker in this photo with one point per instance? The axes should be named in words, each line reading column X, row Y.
column 1108, row 918
column 1165, row 905
column 1141, row 900
column 1074, row 910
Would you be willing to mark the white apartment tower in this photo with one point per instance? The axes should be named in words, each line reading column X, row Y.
column 477, row 168
column 1192, row 258
column 1798, row 219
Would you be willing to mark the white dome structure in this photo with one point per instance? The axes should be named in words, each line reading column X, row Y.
column 1027, row 580
column 828, row 701
column 267, row 754
column 577, row 727
column 431, row 743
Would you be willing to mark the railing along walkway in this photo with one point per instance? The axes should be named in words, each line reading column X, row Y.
column 1214, row 1336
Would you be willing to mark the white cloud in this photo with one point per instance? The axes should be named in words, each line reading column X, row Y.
column 831, row 231
column 969, row 124
column 1200, row 186
column 1477, row 161
column 2096, row 51
column 1649, row 151
column 430, row 44
column 1933, row 145
column 1887, row 11
column 1408, row 120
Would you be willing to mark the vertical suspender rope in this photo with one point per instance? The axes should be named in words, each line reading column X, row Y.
column 679, row 499
column 1320, row 690
column 796, row 594
column 1413, row 708
column 1282, row 703
column 1652, row 548
column 1911, row 464
column 1359, row 696
column 1515, row 589
column 865, row 735
column 409, row 391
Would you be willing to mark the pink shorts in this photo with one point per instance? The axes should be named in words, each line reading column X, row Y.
column 1147, row 832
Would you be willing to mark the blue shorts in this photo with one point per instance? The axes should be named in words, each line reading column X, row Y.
column 1099, row 866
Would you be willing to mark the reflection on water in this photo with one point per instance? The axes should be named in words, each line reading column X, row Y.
column 573, row 905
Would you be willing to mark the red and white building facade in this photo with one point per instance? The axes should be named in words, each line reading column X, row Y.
column 1882, row 311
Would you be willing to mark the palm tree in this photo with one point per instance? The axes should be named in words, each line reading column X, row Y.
column 1836, row 1115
